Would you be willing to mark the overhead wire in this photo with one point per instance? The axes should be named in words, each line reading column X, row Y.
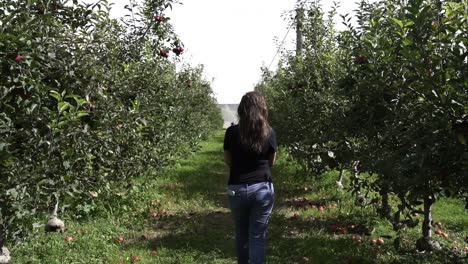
column 285, row 36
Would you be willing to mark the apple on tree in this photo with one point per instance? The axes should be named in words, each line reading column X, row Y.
column 18, row 57
column 164, row 53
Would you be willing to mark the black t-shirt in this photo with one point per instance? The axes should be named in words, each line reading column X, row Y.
column 248, row 167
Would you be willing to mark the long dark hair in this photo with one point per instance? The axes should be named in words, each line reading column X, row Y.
column 253, row 122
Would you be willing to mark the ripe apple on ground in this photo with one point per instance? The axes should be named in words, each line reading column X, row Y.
column 380, row 241
column 68, row 238
column 135, row 259
column 120, row 239
column 154, row 253
column 334, row 228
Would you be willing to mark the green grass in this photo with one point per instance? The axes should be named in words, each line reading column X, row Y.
column 194, row 225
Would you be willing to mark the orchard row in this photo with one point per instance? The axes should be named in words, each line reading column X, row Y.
column 87, row 103
column 384, row 100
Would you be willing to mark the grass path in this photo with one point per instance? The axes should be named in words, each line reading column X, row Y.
column 181, row 216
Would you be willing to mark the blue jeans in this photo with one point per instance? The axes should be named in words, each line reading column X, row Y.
column 251, row 206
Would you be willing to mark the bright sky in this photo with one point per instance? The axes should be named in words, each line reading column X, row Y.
column 233, row 39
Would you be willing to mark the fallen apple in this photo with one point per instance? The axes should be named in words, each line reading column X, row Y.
column 68, row 238
column 135, row 259
column 120, row 239
column 380, row 241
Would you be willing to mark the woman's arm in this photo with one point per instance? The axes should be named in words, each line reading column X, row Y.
column 272, row 159
column 227, row 157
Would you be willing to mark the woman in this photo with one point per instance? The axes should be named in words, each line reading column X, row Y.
column 250, row 151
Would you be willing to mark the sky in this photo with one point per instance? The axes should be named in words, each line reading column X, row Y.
column 233, row 39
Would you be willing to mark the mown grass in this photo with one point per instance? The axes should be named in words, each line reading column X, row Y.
column 192, row 224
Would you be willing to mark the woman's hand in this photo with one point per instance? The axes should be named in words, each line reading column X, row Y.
column 272, row 159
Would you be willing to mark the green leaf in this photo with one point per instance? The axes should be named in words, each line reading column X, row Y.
column 398, row 22
column 56, row 95
column 406, row 42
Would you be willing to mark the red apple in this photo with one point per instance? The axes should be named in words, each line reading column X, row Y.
column 380, row 241
column 360, row 60
column 178, row 50
column 159, row 19
column 438, row 232
column 154, row 253
column 164, row 53
column 18, row 57
column 438, row 223
column 155, row 214
column 135, row 259
column 120, row 239
column 334, row 228
column 68, row 238
column 373, row 242
column 445, row 235
column 321, row 208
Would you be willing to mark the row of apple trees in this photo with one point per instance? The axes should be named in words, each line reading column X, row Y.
column 88, row 102
column 387, row 97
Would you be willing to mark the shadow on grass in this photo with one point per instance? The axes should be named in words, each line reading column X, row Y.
column 288, row 240
column 210, row 231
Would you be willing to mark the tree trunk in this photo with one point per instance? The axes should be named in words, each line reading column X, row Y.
column 385, row 208
column 340, row 178
column 426, row 243
column 427, row 224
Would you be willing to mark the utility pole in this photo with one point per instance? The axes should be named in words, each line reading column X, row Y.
column 299, row 19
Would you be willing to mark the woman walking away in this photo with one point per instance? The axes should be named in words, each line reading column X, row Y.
column 250, row 151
